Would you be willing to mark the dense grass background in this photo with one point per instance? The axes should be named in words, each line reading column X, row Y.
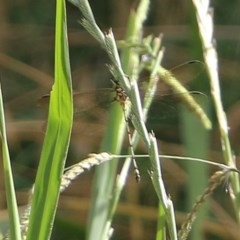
column 27, row 67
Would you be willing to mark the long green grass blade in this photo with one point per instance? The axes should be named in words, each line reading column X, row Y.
column 8, row 179
column 57, row 137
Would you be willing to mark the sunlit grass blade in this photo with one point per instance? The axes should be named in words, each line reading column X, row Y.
column 8, row 179
column 56, row 142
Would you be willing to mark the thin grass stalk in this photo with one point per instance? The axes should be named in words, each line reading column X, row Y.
column 204, row 16
column 14, row 222
column 121, row 180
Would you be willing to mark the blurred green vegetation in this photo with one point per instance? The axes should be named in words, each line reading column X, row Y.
column 26, row 68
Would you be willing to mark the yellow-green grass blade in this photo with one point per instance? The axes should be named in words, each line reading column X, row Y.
column 56, row 142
